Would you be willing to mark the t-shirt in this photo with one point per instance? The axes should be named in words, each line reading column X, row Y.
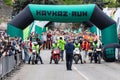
column 49, row 36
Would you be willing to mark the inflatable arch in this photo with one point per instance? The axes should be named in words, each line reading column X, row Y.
column 91, row 26
column 66, row 13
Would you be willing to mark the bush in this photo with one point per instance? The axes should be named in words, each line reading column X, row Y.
column 8, row 2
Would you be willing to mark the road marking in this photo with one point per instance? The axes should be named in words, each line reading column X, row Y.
column 86, row 78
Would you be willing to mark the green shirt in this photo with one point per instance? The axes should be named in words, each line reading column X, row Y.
column 94, row 45
column 54, row 46
column 77, row 45
column 35, row 48
column 61, row 44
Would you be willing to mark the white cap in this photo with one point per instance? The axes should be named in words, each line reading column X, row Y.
column 34, row 42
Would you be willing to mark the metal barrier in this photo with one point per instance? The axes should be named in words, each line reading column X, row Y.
column 117, row 54
column 9, row 63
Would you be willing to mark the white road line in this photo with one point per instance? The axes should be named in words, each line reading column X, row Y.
column 86, row 78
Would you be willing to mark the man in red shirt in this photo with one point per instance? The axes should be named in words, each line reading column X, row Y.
column 49, row 40
column 85, row 46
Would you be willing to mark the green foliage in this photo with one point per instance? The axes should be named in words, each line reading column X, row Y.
column 21, row 4
column 16, row 7
column 8, row 2
column 37, row 1
column 68, row 2
column 102, row 3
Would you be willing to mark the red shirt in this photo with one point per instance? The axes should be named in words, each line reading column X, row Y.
column 49, row 36
column 85, row 45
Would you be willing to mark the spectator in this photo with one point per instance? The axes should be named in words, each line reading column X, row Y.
column 44, row 39
column 49, row 40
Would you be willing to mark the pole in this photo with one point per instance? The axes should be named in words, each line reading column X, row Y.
column 116, row 4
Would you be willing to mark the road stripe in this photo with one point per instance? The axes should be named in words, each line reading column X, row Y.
column 86, row 78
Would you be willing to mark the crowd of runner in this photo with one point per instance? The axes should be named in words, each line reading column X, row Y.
column 86, row 41
column 8, row 46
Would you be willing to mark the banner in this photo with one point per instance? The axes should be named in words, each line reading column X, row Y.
column 62, row 13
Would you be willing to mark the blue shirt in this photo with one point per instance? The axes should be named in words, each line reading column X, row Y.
column 69, row 47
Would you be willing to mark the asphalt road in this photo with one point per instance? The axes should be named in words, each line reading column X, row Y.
column 46, row 71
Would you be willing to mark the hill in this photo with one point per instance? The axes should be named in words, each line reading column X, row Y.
column 5, row 14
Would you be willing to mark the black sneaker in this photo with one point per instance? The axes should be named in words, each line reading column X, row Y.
column 69, row 69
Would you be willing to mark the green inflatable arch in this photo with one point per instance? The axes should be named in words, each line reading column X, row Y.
column 68, row 13
column 65, row 13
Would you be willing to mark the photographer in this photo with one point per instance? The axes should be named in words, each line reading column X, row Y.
column 1, row 49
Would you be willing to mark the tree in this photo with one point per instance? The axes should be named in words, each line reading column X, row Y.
column 8, row 2
column 19, row 5
column 16, row 8
column 70, row 2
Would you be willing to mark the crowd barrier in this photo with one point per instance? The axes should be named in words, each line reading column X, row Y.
column 117, row 54
column 9, row 63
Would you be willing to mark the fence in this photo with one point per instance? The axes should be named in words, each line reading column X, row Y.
column 117, row 54
column 9, row 63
